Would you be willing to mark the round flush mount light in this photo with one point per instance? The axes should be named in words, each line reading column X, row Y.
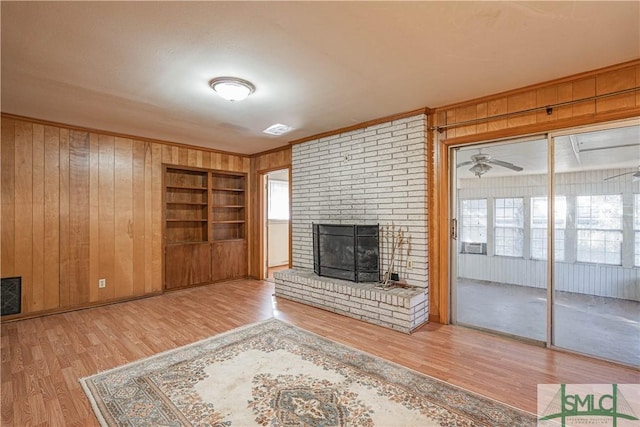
column 232, row 88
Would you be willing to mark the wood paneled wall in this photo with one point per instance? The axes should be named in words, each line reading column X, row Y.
column 261, row 163
column 572, row 88
column 78, row 206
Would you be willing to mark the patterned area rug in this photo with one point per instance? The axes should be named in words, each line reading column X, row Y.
column 274, row 374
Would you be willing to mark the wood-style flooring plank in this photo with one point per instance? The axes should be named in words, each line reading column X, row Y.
column 43, row 358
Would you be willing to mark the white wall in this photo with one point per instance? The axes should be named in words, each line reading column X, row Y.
column 367, row 176
column 594, row 279
column 278, row 242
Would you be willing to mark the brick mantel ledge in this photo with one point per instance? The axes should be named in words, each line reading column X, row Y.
column 402, row 309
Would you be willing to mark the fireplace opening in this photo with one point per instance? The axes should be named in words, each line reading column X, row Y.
column 348, row 252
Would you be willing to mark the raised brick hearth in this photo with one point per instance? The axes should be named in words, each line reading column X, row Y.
column 402, row 309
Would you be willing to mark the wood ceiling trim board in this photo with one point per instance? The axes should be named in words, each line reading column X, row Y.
column 271, row 151
column 544, row 127
column 541, row 85
column 118, row 135
column 425, row 110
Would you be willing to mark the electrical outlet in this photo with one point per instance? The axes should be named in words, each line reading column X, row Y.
column 409, row 264
column 102, row 283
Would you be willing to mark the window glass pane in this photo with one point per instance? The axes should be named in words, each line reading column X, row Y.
column 599, row 246
column 278, row 200
column 636, row 212
column 637, row 249
column 539, row 227
column 602, row 212
column 509, row 220
column 595, row 216
column 474, row 221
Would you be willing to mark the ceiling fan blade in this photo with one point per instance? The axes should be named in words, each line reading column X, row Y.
column 620, row 174
column 505, row 165
column 464, row 164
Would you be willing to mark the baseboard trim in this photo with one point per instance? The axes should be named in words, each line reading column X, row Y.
column 53, row 311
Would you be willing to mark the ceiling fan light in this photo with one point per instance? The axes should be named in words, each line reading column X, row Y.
column 480, row 169
column 232, row 88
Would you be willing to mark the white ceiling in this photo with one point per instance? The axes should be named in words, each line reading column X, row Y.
column 142, row 68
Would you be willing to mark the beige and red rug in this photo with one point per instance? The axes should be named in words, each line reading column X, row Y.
column 274, row 374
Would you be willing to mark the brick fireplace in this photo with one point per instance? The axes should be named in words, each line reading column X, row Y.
column 375, row 175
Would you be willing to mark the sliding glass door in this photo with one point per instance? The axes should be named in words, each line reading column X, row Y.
column 596, row 273
column 500, row 265
column 546, row 242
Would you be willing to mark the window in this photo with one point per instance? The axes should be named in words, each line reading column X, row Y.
column 539, row 210
column 599, row 224
column 636, row 227
column 278, row 200
column 474, row 221
column 509, row 224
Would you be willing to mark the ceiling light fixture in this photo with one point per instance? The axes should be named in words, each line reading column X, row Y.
column 232, row 88
column 278, row 129
column 480, row 169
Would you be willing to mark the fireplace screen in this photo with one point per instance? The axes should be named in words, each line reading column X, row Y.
column 348, row 252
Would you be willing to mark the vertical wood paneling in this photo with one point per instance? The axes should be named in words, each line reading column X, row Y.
column 183, row 155
column 37, row 204
column 94, row 216
column 192, row 158
column 51, row 217
column 86, row 206
column 123, row 218
column 7, row 175
column 582, row 87
column 24, row 212
column 106, row 232
column 79, row 217
column 156, row 219
column 64, row 218
column 148, row 220
column 138, row 217
column 614, row 81
column 166, row 155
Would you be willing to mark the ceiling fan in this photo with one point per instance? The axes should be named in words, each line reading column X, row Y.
column 635, row 175
column 482, row 164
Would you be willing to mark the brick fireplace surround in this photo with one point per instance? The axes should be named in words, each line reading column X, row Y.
column 366, row 176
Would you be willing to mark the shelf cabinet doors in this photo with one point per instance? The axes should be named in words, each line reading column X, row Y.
column 187, row 265
column 229, row 260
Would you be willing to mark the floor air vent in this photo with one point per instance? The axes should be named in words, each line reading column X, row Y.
column 10, row 294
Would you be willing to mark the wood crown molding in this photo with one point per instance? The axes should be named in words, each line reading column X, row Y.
column 424, row 110
column 118, row 135
column 273, row 150
column 566, row 79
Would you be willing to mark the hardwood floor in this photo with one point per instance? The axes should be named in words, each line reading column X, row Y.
column 43, row 358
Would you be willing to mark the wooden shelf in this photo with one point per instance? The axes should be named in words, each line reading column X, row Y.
column 186, row 187
column 205, row 227
column 187, row 242
column 241, row 190
column 188, row 203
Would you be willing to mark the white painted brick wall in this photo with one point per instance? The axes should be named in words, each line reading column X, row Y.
column 366, row 176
